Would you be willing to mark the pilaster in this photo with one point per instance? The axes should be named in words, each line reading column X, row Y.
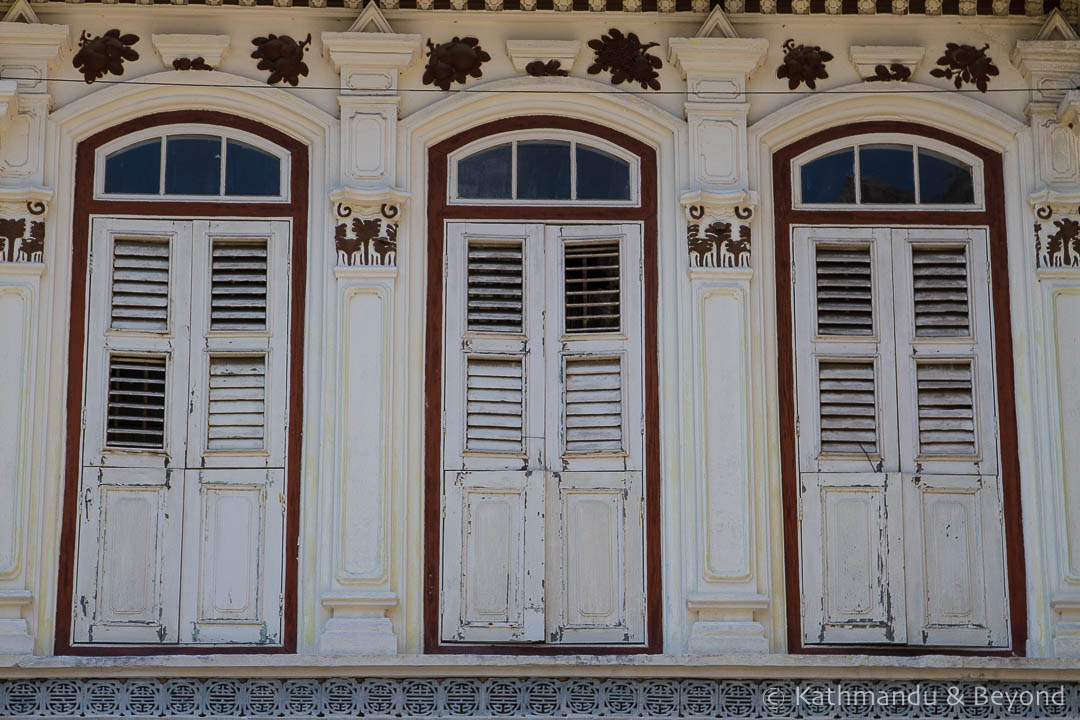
column 360, row 586
column 1051, row 66
column 27, row 49
column 727, row 596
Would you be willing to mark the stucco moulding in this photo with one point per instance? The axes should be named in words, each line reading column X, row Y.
column 369, row 197
column 35, row 200
column 1051, row 61
column 866, row 58
column 523, row 52
column 371, row 49
column 717, row 56
column 9, row 102
column 720, row 204
column 1069, row 110
column 211, row 48
column 717, row 25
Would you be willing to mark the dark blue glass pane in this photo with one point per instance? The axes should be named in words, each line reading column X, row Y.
column 944, row 180
column 135, row 169
column 601, row 176
column 486, row 174
column 829, row 179
column 193, row 165
column 886, row 174
column 543, row 170
column 250, row 171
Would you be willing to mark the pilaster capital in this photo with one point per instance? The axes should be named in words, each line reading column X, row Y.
column 27, row 50
column 737, row 205
column 715, row 69
column 370, row 60
column 1050, row 67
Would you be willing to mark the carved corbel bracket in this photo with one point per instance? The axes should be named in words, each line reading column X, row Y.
column 22, row 224
column 524, row 53
column 172, row 48
column 879, row 63
column 366, row 226
column 719, row 233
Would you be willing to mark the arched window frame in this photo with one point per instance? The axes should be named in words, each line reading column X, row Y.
column 553, row 135
column 219, row 131
column 853, row 142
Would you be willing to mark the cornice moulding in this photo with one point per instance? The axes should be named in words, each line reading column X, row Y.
column 717, row 56
column 360, row 600
column 361, row 197
column 23, row 41
column 867, row 57
column 382, row 50
column 523, row 52
column 211, row 48
column 1063, row 202
column 1046, row 55
column 717, row 601
column 31, row 193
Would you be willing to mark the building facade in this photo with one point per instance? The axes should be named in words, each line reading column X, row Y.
column 648, row 357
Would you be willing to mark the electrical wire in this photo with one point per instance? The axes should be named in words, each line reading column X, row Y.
column 533, row 91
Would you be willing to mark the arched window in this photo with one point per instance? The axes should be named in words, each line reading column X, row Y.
column 541, row 168
column 887, row 171
column 191, row 162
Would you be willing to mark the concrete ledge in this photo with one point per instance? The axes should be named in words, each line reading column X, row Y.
column 737, row 666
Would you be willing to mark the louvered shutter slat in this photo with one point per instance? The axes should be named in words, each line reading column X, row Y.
column 136, row 404
column 494, row 405
column 848, row 410
column 140, row 285
column 236, row 418
column 593, row 405
column 238, row 276
column 844, row 291
column 946, row 409
column 592, row 286
column 495, row 284
column 940, row 285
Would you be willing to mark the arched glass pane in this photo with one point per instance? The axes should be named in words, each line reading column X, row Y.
column 250, row 171
column 486, row 175
column 829, row 179
column 193, row 165
column 886, row 174
column 601, row 176
column 135, row 170
column 944, row 180
column 543, row 170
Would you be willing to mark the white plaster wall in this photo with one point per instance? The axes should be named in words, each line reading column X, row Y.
column 308, row 112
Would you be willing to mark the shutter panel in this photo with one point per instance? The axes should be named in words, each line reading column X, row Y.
column 236, row 403
column 594, row 408
column 494, row 417
column 495, row 285
column 850, row 535
column 140, row 284
column 235, row 488
column 595, row 503
column 127, row 572
column 238, row 285
column 493, row 540
column 952, row 502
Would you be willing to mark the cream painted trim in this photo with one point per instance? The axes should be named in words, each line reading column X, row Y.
column 627, row 114
column 103, row 109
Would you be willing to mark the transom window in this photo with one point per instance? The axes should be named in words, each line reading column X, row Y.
column 887, row 171
column 541, row 169
column 191, row 163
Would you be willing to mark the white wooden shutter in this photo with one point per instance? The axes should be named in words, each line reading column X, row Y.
column 594, row 432
column 949, row 451
column 135, row 387
column 493, row 482
column 851, row 551
column 234, row 499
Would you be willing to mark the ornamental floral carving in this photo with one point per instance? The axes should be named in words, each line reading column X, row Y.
column 22, row 236
column 803, row 64
column 551, row 68
column 104, row 54
column 966, row 64
column 627, row 59
column 454, row 61
column 190, row 64
column 896, row 72
column 365, row 238
column 1062, row 240
column 723, row 243
column 282, row 56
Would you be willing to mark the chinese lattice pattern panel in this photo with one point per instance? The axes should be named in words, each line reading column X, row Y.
column 524, row 698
